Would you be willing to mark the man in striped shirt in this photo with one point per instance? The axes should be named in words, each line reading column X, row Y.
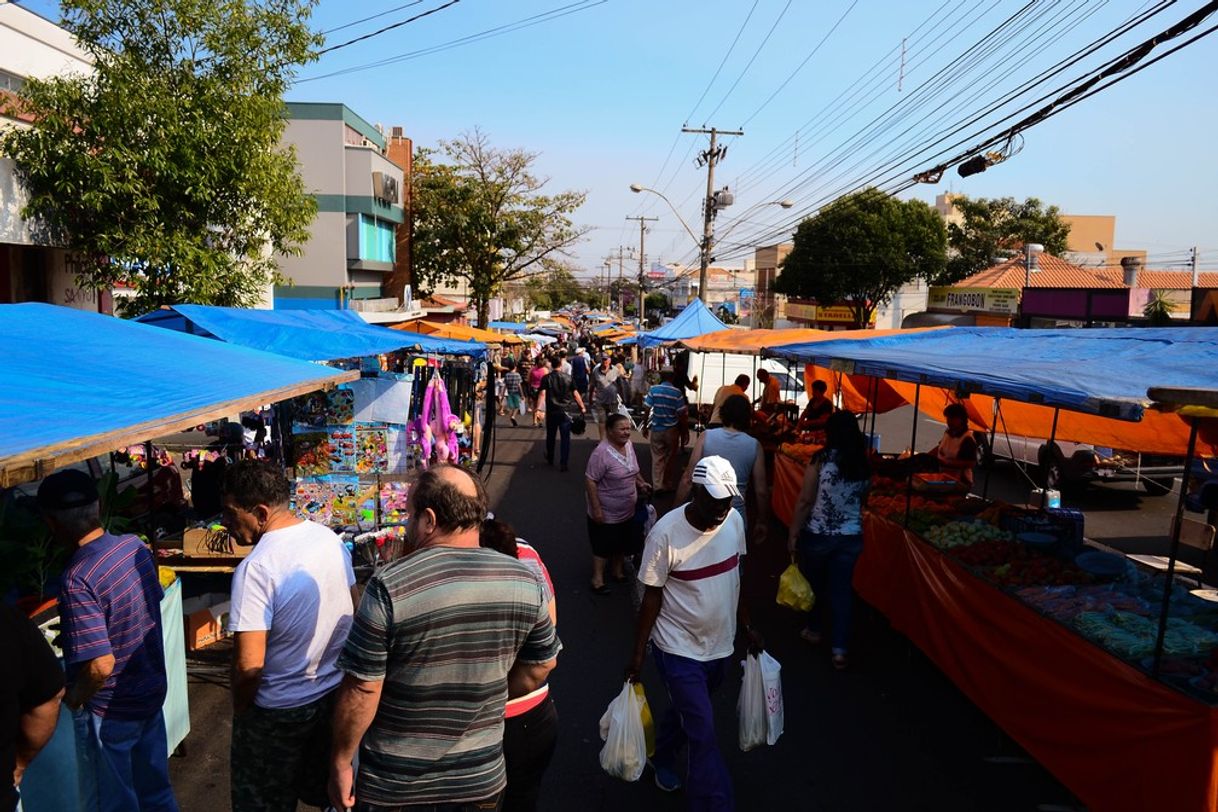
column 110, row 610
column 440, row 641
column 667, row 415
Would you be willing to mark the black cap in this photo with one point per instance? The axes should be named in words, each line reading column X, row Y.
column 64, row 490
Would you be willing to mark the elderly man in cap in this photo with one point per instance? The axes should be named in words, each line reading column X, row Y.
column 110, row 610
column 691, row 570
column 604, row 390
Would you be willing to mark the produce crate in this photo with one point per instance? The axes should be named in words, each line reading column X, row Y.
column 1063, row 524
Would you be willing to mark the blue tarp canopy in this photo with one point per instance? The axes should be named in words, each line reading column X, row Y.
column 509, row 326
column 1097, row 371
column 80, row 384
column 311, row 335
column 695, row 320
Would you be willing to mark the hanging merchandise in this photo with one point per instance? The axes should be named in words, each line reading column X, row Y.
column 437, row 428
column 319, row 409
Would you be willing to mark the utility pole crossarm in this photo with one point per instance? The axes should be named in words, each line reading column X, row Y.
column 641, row 310
column 711, row 156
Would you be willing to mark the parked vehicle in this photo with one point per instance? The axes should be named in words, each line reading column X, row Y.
column 715, row 369
column 1064, row 463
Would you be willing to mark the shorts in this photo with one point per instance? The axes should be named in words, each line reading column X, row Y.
column 619, row 538
column 281, row 755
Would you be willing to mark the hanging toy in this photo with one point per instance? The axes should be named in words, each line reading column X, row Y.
column 437, row 427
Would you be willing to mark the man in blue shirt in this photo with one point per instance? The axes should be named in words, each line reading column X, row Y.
column 579, row 372
column 110, row 609
column 668, row 411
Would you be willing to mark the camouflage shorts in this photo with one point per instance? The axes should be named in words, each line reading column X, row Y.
column 280, row 756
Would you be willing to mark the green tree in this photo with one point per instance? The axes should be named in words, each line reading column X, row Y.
column 554, row 287
column 481, row 216
column 162, row 169
column 1158, row 309
column 862, row 248
column 999, row 227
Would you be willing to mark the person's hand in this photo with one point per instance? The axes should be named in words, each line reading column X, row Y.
column 645, row 490
column 342, row 786
column 634, row 668
column 18, row 771
column 792, row 542
column 756, row 643
column 598, row 515
column 760, row 533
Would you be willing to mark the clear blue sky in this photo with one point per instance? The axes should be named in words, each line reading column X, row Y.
column 601, row 94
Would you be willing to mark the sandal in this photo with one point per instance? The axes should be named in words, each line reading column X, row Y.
column 603, row 589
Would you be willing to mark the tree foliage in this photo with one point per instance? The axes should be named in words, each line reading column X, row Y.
column 862, row 248
column 162, row 169
column 994, row 228
column 480, row 215
column 553, row 288
column 1158, row 309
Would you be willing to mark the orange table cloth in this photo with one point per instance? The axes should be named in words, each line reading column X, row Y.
column 784, row 491
column 1117, row 738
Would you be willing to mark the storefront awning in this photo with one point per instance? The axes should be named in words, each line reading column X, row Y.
column 310, row 335
column 79, row 384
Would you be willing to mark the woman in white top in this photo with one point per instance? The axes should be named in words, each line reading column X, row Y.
column 826, row 532
column 744, row 453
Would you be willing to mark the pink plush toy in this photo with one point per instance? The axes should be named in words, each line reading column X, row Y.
column 437, row 427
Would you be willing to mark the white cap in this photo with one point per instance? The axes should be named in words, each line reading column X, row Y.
column 717, row 476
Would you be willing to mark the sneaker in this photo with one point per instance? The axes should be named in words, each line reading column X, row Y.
column 666, row 779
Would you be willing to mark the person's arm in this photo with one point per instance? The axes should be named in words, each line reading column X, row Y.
column 539, row 654
column 803, row 506
column 525, row 678
column 744, row 626
column 89, row 680
column 653, row 599
column 249, row 658
column 354, row 710
column 761, row 494
column 34, row 730
column 579, row 399
column 687, row 478
column 594, row 501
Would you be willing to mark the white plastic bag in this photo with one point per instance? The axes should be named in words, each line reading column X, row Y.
column 751, row 706
column 772, row 678
column 625, row 752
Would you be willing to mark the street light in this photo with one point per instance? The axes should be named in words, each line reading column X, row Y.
column 706, row 243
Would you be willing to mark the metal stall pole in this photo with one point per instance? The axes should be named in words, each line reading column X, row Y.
column 989, row 469
column 875, row 393
column 1044, row 478
column 1169, row 577
column 151, row 520
column 913, row 445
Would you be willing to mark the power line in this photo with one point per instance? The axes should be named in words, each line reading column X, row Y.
column 801, row 65
column 722, row 62
column 506, row 28
column 372, row 17
column 752, row 59
column 389, row 27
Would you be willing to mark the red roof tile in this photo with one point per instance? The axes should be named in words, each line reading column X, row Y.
column 1054, row 272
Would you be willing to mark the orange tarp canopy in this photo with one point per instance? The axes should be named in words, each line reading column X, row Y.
column 459, row 332
column 749, row 342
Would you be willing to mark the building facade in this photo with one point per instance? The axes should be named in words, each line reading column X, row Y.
column 353, row 244
column 30, row 269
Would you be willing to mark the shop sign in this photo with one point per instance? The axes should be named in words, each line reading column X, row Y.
column 823, row 314
column 801, row 311
column 976, row 300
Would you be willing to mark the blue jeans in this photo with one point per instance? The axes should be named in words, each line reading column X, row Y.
column 557, row 420
column 828, row 564
column 124, row 765
column 690, row 721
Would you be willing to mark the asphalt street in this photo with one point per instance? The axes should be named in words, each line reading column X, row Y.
column 889, row 733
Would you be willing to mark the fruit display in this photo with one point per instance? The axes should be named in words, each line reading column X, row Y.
column 962, row 534
column 800, row 452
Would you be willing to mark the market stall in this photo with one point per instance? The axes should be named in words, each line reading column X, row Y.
column 1104, row 671
column 60, row 411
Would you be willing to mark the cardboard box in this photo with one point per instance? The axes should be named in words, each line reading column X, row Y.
column 199, row 542
column 206, row 619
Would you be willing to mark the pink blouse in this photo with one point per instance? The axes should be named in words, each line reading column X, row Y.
column 615, row 473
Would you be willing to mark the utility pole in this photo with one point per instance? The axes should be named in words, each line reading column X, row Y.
column 710, row 157
column 1196, row 268
column 642, row 308
column 621, row 296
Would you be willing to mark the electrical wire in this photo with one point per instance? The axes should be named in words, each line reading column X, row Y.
column 389, row 27
column 801, row 65
column 506, row 28
column 752, row 59
column 722, row 62
column 371, row 17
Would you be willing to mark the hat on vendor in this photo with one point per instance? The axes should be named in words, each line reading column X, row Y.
column 65, row 490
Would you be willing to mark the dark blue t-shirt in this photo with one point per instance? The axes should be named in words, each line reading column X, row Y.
column 579, row 372
column 110, row 603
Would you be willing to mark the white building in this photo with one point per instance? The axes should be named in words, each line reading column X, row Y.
column 34, row 47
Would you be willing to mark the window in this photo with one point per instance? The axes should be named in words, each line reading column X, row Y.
column 9, row 81
column 377, row 239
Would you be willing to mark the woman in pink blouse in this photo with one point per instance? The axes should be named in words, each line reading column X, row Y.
column 613, row 482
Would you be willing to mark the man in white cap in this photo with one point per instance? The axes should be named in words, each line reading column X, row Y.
column 690, row 614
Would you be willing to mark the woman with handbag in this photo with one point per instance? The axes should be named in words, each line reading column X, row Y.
column 613, row 482
column 827, row 527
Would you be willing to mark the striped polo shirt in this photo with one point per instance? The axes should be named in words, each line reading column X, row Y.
column 110, row 603
column 666, row 402
column 441, row 628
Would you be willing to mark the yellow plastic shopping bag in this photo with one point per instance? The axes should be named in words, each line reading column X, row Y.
column 794, row 591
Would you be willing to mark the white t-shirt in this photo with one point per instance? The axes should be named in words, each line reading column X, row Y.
column 296, row 586
column 700, row 574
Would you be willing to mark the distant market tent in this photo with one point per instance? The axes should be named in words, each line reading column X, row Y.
column 458, row 332
column 695, row 320
column 311, row 335
column 80, row 384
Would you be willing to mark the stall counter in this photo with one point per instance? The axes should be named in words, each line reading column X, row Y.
column 1117, row 738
